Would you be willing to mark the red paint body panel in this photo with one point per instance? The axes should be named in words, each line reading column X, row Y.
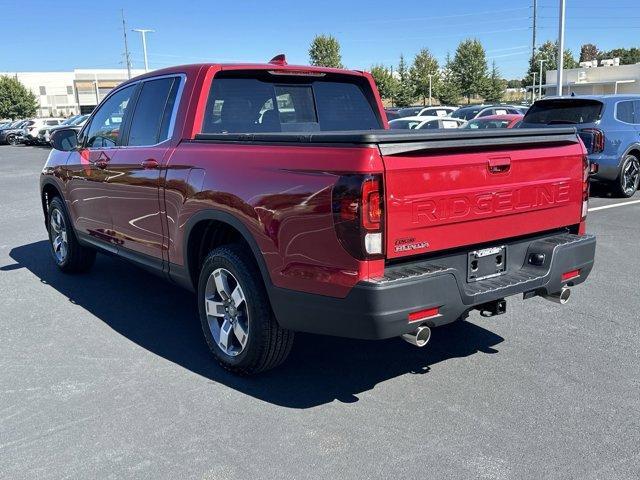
column 282, row 194
column 437, row 202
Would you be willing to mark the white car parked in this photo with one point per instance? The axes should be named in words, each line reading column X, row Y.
column 440, row 111
column 425, row 123
column 29, row 134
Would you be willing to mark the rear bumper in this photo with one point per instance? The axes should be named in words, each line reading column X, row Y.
column 608, row 167
column 379, row 308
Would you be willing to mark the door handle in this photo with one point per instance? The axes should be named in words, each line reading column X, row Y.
column 102, row 161
column 150, row 163
column 499, row 165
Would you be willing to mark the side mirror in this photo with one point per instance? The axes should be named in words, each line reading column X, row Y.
column 65, row 139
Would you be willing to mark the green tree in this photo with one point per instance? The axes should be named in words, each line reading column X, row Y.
column 548, row 52
column 448, row 91
column 628, row 56
column 385, row 81
column 325, row 52
column 588, row 52
column 514, row 83
column 15, row 100
column 495, row 86
column 404, row 94
column 469, row 68
column 424, row 68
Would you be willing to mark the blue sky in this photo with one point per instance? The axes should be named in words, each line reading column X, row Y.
column 46, row 35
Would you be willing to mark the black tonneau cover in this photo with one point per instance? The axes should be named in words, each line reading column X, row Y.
column 396, row 142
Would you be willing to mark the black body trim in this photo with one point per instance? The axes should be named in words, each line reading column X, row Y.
column 379, row 308
column 393, row 142
column 183, row 275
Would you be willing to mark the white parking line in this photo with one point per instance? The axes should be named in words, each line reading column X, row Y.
column 621, row 204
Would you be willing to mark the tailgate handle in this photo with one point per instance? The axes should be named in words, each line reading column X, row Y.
column 499, row 165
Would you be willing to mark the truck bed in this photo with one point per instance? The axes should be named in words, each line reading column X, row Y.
column 396, row 142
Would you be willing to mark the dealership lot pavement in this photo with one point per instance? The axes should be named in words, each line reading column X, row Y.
column 106, row 375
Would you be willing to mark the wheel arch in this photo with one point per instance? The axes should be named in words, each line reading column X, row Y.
column 210, row 228
column 48, row 190
column 634, row 150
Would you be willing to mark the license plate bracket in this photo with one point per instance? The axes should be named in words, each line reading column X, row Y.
column 486, row 263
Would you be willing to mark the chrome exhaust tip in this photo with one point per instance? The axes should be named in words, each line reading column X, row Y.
column 419, row 337
column 561, row 297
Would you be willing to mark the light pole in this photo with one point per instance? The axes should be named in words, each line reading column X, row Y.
column 560, row 53
column 144, row 32
column 430, row 75
column 540, row 80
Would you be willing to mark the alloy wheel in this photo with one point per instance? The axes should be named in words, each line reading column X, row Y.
column 59, row 236
column 631, row 176
column 227, row 313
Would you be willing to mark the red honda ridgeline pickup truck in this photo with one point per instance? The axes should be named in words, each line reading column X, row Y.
column 280, row 196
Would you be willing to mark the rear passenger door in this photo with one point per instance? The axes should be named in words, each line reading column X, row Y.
column 134, row 174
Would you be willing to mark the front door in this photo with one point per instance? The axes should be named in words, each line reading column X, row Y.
column 132, row 185
column 88, row 166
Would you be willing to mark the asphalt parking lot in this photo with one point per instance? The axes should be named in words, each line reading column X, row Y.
column 107, row 375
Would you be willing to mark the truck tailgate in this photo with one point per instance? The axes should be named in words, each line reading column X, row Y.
column 449, row 192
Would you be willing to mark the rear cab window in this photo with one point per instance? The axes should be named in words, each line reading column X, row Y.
column 564, row 112
column 262, row 102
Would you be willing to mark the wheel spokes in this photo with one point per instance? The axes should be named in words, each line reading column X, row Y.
column 57, row 243
column 225, row 330
column 214, row 308
column 237, row 296
column 222, row 284
column 240, row 333
column 55, row 221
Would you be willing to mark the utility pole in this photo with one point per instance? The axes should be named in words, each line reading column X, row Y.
column 430, row 75
column 127, row 58
column 533, row 89
column 561, row 46
column 144, row 32
column 533, row 42
column 540, row 90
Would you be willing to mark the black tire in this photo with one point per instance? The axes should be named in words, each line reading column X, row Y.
column 629, row 179
column 267, row 344
column 12, row 140
column 76, row 258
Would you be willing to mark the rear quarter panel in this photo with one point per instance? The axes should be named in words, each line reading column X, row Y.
column 282, row 195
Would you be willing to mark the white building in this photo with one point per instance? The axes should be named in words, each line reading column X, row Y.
column 596, row 80
column 61, row 94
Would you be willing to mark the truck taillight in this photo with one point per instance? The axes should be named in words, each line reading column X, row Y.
column 358, row 215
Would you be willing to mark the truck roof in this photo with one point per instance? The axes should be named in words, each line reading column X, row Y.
column 196, row 67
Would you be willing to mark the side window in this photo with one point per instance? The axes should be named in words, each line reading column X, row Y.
column 106, row 125
column 624, row 112
column 151, row 117
column 636, row 108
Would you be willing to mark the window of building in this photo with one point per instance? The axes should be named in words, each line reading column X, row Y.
column 69, row 90
column 43, row 90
